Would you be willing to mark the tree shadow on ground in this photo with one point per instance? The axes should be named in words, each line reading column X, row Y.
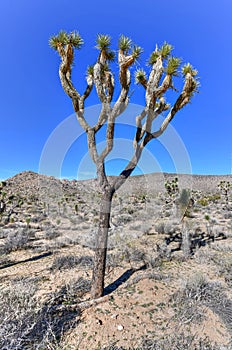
column 34, row 258
column 196, row 240
column 122, row 279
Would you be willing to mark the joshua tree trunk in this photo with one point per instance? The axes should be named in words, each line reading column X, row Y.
column 186, row 241
column 101, row 245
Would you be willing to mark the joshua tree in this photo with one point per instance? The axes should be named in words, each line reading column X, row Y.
column 172, row 189
column 225, row 187
column 8, row 204
column 163, row 67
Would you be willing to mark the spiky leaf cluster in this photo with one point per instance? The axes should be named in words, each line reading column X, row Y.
column 124, row 44
column 75, row 39
column 173, row 65
column 90, row 70
column 140, row 76
column 103, row 44
column 172, row 187
column 164, row 52
column 110, row 55
column 153, row 57
column 188, row 68
column 136, row 51
column 105, row 68
column 63, row 38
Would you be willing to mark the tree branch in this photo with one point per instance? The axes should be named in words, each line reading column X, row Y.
column 182, row 100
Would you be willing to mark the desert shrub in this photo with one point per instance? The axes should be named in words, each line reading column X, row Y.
column 205, row 255
column 51, row 234
column 169, row 228
column 4, row 233
column 178, row 341
column 228, row 215
column 213, row 198
column 113, row 347
column 187, row 301
column 113, row 259
column 133, row 254
column 224, row 265
column 71, row 292
column 203, row 202
column 17, row 240
column 222, row 247
column 25, row 323
column 164, row 252
column 18, row 315
column 65, row 262
column 4, row 260
column 124, row 218
column 196, row 294
column 160, row 227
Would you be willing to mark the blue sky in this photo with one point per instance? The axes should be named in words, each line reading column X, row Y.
column 33, row 104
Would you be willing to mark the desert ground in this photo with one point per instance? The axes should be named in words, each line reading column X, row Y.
column 168, row 278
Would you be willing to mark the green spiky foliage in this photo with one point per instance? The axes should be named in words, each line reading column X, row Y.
column 225, row 187
column 103, row 42
column 165, row 50
column 90, row 70
column 188, row 68
column 124, row 43
column 173, row 65
column 196, row 86
column 60, row 39
column 105, row 68
column 172, row 187
column 76, row 40
column 136, row 51
column 153, row 57
column 140, row 76
column 63, row 38
column 110, row 55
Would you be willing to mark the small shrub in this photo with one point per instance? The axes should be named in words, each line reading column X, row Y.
column 17, row 240
column 203, row 202
column 72, row 291
column 27, row 324
column 178, row 341
column 71, row 261
column 51, row 234
column 160, row 227
column 197, row 293
column 18, row 314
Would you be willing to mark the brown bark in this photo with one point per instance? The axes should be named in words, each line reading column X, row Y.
column 97, row 287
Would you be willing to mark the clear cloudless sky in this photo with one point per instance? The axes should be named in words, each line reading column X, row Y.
column 33, row 104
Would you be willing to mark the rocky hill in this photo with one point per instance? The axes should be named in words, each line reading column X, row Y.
column 29, row 183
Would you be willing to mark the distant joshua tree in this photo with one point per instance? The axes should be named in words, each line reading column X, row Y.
column 163, row 67
column 225, row 187
column 8, row 204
